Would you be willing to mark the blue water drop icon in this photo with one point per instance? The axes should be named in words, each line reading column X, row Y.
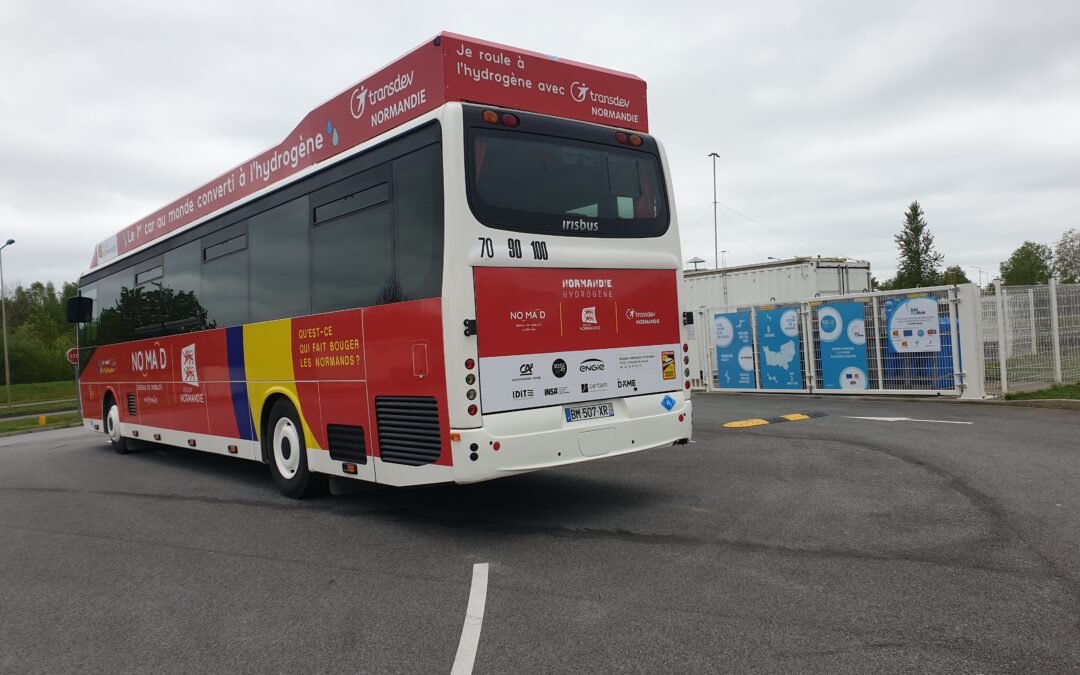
column 335, row 139
column 329, row 127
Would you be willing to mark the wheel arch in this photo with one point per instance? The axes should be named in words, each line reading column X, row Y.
column 269, row 400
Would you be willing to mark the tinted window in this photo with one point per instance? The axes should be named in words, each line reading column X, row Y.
column 279, row 261
column 535, row 183
column 352, row 259
column 419, row 223
column 119, row 307
column 225, row 290
column 181, row 288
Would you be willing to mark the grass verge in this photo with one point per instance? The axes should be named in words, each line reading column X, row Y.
column 51, row 421
column 41, row 391
column 1071, row 391
column 38, row 409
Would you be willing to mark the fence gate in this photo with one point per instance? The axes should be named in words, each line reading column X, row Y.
column 896, row 342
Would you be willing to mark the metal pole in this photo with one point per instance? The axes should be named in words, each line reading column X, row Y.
column 1003, row 349
column 3, row 314
column 1055, row 333
column 1031, row 320
column 715, row 236
column 877, row 343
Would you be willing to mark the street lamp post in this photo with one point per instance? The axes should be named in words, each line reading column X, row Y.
column 3, row 317
column 715, row 239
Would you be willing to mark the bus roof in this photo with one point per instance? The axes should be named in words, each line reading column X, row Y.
column 448, row 68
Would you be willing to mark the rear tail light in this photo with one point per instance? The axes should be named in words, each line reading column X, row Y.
column 685, row 348
column 469, row 364
column 473, row 409
column 686, row 385
column 491, row 117
column 509, row 120
column 621, row 137
column 470, row 379
column 471, row 394
column 635, row 140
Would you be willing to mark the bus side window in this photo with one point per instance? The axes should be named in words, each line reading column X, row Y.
column 418, row 223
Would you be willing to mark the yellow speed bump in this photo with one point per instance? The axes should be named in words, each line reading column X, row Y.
column 795, row 417
column 742, row 424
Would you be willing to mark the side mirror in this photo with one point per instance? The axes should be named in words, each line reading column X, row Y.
column 80, row 309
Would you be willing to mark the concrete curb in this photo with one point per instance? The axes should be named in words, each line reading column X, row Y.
column 1053, row 403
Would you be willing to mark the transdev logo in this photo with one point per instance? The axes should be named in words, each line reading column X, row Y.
column 358, row 102
column 578, row 91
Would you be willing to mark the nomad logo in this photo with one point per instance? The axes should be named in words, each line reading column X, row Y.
column 146, row 360
column 581, row 225
column 627, row 384
column 525, row 369
column 578, row 91
column 588, row 315
column 523, row 393
column 358, row 102
column 591, row 366
column 558, row 368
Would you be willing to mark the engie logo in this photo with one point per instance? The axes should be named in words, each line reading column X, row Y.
column 152, row 358
column 591, row 366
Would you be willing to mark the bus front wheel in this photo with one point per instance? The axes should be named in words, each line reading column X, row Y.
column 112, row 427
column 287, row 453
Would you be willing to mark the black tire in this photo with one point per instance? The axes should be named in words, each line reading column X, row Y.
column 112, row 427
column 286, row 453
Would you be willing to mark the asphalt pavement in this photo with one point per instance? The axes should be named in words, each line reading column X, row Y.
column 936, row 537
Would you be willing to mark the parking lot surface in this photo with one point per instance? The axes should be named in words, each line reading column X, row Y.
column 853, row 536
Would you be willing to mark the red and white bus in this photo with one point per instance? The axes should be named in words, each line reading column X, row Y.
column 464, row 267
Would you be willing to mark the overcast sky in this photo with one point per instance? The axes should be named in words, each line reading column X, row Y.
column 830, row 117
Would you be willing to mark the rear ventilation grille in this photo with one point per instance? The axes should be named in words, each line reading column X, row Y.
column 408, row 429
column 346, row 443
column 131, row 405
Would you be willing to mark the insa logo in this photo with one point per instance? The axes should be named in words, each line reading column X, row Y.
column 145, row 360
column 591, row 365
column 551, row 391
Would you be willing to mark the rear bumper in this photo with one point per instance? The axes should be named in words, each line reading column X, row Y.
column 542, row 438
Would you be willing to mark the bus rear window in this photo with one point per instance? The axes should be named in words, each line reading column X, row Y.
column 541, row 184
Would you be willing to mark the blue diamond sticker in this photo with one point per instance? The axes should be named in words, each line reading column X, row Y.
column 668, row 403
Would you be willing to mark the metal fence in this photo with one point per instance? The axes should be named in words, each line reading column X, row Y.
column 1030, row 336
column 847, row 344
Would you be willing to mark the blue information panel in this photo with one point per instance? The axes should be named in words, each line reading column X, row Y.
column 734, row 350
column 842, row 329
column 778, row 337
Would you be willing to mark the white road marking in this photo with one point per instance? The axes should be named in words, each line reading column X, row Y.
column 474, row 620
column 905, row 419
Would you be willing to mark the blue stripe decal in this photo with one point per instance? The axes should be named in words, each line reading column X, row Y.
column 234, row 339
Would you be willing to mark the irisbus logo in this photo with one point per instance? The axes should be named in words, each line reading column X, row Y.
column 580, row 225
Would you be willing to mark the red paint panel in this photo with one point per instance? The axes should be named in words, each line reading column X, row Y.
column 344, row 403
column 458, row 68
column 531, row 311
column 391, row 333
column 219, row 409
column 329, row 346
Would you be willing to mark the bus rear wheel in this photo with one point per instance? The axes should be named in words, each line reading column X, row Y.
column 112, row 427
column 287, row 453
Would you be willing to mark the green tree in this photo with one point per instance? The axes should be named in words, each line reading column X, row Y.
column 1067, row 257
column 39, row 333
column 918, row 264
column 1028, row 265
column 954, row 274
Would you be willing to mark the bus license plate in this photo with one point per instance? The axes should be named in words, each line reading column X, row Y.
column 580, row 413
